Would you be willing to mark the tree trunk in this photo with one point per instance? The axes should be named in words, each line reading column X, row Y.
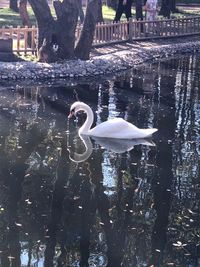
column 66, row 27
column 45, row 21
column 24, row 13
column 99, row 12
column 13, row 5
column 58, row 33
column 84, row 45
column 80, row 11
column 25, row 18
column 56, row 37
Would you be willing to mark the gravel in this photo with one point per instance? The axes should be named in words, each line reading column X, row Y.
column 116, row 60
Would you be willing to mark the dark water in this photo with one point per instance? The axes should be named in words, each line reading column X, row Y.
column 134, row 209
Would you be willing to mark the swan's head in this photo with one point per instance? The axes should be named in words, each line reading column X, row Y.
column 76, row 107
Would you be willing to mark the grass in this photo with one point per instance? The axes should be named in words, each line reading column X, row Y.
column 109, row 13
column 10, row 18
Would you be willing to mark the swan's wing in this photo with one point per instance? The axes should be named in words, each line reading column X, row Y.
column 116, row 127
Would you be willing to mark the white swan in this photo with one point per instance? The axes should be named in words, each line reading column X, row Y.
column 114, row 128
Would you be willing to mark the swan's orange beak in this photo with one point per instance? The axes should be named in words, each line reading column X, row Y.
column 71, row 114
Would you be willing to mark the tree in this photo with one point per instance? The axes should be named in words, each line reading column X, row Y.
column 80, row 11
column 59, row 33
column 99, row 12
column 84, row 44
column 24, row 13
column 13, row 5
column 25, row 17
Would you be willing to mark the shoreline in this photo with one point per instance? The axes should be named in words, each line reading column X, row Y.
column 104, row 60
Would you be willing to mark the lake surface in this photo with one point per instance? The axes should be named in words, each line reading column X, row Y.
column 71, row 202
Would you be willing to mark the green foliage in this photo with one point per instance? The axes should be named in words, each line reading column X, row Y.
column 11, row 18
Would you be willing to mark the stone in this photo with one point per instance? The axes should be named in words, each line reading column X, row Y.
column 98, row 65
column 9, row 57
column 6, row 45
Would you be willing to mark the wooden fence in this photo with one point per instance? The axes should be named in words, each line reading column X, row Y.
column 24, row 39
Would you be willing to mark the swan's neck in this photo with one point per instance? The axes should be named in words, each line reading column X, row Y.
column 88, row 122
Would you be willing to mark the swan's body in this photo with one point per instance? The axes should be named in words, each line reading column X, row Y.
column 114, row 128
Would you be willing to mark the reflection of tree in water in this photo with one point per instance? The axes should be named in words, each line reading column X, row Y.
column 19, row 149
column 13, row 170
column 186, row 165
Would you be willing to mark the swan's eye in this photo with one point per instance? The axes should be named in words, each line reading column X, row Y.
column 73, row 110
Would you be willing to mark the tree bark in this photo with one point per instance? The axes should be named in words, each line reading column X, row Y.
column 25, row 18
column 80, row 11
column 59, row 33
column 45, row 21
column 66, row 27
column 24, row 13
column 13, row 5
column 99, row 12
column 84, row 44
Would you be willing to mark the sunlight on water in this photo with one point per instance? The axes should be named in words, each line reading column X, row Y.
column 109, row 173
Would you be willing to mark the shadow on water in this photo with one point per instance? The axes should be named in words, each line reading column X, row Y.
column 93, row 202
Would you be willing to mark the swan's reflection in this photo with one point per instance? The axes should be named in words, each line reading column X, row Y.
column 77, row 157
column 111, row 144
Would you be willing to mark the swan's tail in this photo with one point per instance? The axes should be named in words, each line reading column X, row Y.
column 149, row 132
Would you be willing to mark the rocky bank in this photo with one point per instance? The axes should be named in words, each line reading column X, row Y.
column 104, row 60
